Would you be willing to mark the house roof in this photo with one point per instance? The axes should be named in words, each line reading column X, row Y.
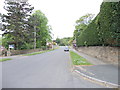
column 74, row 41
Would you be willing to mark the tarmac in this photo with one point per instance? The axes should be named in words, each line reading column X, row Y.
column 100, row 72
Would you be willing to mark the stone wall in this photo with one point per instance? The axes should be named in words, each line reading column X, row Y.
column 107, row 54
column 17, row 52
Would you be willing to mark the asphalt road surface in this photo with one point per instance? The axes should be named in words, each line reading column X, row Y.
column 47, row 70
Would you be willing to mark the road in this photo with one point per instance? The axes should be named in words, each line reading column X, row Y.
column 47, row 70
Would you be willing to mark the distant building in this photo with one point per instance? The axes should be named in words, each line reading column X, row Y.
column 74, row 44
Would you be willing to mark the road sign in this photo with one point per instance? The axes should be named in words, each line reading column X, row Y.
column 11, row 46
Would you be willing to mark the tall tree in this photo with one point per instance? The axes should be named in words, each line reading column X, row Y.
column 16, row 21
column 42, row 31
column 83, row 21
column 81, row 24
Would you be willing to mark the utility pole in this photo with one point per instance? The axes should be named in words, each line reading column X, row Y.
column 34, row 20
column 34, row 37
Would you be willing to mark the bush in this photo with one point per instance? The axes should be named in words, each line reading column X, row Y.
column 44, row 47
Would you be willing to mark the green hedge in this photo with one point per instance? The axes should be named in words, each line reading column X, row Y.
column 104, row 29
column 89, row 36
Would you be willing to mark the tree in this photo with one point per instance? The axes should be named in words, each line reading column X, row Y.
column 41, row 28
column 83, row 22
column 16, row 21
column 81, row 25
column 64, row 41
column 57, row 41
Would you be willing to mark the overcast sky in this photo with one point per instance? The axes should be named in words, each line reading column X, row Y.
column 62, row 14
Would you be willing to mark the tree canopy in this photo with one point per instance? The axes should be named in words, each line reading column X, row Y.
column 22, row 28
column 64, row 41
column 41, row 27
column 82, row 23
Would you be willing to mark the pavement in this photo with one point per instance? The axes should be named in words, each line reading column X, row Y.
column 47, row 70
column 12, row 57
column 100, row 72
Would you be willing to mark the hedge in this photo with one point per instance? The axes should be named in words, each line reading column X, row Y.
column 104, row 29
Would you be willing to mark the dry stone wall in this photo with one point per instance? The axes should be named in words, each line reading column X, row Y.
column 107, row 54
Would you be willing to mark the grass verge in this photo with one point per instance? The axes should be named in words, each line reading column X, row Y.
column 5, row 59
column 35, row 53
column 78, row 60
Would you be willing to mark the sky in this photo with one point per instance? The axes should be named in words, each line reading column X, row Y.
column 62, row 14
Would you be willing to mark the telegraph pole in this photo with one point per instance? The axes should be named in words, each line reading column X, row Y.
column 34, row 37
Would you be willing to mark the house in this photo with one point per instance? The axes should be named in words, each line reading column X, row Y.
column 74, row 44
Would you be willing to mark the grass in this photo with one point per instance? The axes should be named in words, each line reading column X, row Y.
column 78, row 60
column 30, row 54
column 5, row 59
column 35, row 53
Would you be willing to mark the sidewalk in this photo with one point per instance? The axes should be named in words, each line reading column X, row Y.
column 99, row 71
column 12, row 57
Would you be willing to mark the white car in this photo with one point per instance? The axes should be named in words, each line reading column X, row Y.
column 66, row 48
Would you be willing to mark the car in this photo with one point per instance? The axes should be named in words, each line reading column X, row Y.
column 66, row 48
